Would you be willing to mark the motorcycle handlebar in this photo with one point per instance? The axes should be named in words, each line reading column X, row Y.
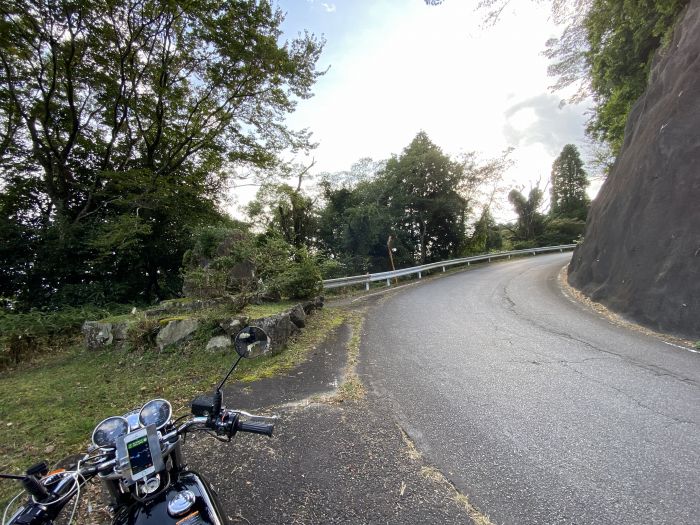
column 255, row 427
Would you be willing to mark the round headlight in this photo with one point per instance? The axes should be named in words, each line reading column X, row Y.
column 156, row 412
column 108, row 431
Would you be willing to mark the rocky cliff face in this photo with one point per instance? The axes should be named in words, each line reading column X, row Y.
column 641, row 249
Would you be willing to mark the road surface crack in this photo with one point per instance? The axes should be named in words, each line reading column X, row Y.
column 655, row 370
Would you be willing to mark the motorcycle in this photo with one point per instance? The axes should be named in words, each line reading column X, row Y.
column 138, row 457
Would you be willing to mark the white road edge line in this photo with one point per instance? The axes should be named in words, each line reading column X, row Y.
column 682, row 347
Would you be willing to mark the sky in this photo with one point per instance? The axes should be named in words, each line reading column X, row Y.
column 396, row 67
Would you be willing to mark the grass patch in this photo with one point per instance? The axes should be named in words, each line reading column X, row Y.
column 51, row 405
column 352, row 388
column 255, row 311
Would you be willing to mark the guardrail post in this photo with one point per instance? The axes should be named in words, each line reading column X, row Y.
column 533, row 253
column 509, row 256
column 420, row 275
column 468, row 263
column 388, row 282
column 443, row 269
column 367, row 286
column 561, row 250
column 489, row 259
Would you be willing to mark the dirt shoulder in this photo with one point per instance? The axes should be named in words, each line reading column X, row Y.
column 334, row 458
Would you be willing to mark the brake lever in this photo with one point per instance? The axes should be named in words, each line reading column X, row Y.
column 255, row 417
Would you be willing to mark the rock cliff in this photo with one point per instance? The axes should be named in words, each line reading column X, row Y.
column 641, row 249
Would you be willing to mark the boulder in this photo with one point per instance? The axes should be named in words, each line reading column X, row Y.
column 220, row 342
column 313, row 304
column 120, row 331
column 270, row 297
column 232, row 303
column 279, row 329
column 97, row 334
column 176, row 331
column 298, row 316
column 233, row 325
column 641, row 250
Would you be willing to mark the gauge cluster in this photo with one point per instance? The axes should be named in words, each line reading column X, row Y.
column 156, row 412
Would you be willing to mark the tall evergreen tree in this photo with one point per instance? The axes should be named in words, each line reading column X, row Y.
column 427, row 201
column 568, row 185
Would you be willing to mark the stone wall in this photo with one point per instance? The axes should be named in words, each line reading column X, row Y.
column 279, row 327
column 641, row 250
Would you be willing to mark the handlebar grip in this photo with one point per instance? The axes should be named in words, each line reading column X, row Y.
column 256, row 427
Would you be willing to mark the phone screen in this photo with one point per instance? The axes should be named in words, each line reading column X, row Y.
column 139, row 455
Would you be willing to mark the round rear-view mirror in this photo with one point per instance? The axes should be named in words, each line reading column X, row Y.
column 251, row 342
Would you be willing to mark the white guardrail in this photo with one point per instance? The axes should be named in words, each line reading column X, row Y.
column 366, row 279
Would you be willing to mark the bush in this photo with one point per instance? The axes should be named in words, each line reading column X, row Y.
column 228, row 261
column 286, row 270
column 23, row 335
column 219, row 263
column 333, row 268
column 524, row 245
column 301, row 279
column 562, row 230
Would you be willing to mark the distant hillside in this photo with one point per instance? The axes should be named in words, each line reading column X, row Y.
column 641, row 249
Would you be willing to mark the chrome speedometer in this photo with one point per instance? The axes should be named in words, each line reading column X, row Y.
column 156, row 412
column 108, row 431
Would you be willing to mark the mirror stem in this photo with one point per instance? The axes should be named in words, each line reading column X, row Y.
column 218, row 388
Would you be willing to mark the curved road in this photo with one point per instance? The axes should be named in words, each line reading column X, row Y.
column 537, row 409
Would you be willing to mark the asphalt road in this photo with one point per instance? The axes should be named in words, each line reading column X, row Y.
column 536, row 408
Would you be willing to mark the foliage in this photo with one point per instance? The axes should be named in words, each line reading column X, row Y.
column 26, row 334
column 562, row 230
column 301, row 278
column 120, row 122
column 622, row 39
column 287, row 211
column 486, row 236
column 568, row 185
column 220, row 261
column 607, row 49
column 530, row 223
column 74, row 389
column 421, row 198
column 426, row 198
column 355, row 224
column 228, row 260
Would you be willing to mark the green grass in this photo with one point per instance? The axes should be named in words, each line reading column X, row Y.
column 255, row 311
column 252, row 310
column 53, row 403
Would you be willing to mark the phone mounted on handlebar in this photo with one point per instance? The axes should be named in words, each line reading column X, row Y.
column 139, row 454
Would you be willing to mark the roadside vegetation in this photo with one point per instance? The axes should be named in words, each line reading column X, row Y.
column 120, row 205
column 121, row 128
column 51, row 405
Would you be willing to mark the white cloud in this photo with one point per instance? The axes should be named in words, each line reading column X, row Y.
column 330, row 8
column 400, row 67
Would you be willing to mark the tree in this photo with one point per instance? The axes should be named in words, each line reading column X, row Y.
column 606, row 49
column 486, row 235
column 426, row 199
column 287, row 211
column 126, row 117
column 530, row 222
column 568, row 185
column 356, row 222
